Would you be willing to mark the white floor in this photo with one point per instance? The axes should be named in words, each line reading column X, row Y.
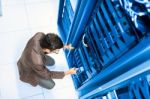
column 20, row 20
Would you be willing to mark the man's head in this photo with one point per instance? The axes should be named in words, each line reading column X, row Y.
column 52, row 42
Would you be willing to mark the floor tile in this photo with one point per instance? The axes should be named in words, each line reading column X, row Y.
column 14, row 42
column 8, row 81
column 41, row 14
column 28, row 2
column 12, row 2
column 63, row 93
column 44, row 29
column 13, row 18
column 40, row 96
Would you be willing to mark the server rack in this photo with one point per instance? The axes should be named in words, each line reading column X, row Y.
column 112, row 46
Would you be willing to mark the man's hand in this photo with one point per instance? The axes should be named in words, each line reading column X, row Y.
column 70, row 47
column 71, row 71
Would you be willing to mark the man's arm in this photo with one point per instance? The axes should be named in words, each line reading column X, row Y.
column 71, row 71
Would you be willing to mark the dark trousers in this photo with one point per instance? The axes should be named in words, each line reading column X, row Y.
column 47, row 83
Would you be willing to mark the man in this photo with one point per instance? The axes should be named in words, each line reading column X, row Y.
column 33, row 61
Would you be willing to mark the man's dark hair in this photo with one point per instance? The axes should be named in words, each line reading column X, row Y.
column 51, row 41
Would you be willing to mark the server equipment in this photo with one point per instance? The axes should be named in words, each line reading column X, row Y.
column 112, row 47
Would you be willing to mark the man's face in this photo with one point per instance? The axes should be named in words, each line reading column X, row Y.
column 46, row 51
column 56, row 51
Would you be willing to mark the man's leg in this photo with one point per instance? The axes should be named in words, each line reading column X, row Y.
column 49, row 61
column 48, row 84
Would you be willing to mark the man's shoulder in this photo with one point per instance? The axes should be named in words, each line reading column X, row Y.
column 39, row 34
column 35, row 41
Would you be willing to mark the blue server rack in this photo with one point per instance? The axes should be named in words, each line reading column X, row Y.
column 112, row 47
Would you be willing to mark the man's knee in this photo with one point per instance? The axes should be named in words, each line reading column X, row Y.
column 49, row 61
column 51, row 86
column 48, row 84
column 52, row 62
